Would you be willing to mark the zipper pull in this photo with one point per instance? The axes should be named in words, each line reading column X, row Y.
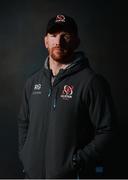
column 49, row 93
column 54, row 104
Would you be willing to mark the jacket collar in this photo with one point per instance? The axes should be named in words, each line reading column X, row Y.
column 78, row 62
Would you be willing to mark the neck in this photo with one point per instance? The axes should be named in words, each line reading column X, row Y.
column 56, row 66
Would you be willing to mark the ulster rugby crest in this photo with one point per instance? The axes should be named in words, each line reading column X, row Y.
column 67, row 92
column 60, row 18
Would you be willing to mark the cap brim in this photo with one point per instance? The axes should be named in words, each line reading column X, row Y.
column 56, row 28
column 61, row 27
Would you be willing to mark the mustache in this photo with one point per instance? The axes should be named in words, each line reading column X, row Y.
column 60, row 48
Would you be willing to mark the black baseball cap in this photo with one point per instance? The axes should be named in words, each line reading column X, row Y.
column 62, row 22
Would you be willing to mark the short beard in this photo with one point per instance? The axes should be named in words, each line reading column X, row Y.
column 64, row 58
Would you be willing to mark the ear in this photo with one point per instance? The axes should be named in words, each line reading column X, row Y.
column 46, row 41
column 76, row 43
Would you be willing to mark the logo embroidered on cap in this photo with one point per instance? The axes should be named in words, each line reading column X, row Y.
column 60, row 18
column 67, row 92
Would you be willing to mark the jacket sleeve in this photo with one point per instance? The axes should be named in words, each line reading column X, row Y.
column 23, row 117
column 102, row 115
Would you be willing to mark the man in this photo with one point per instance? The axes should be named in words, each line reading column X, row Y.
column 65, row 121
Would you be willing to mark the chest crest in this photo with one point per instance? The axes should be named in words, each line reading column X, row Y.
column 67, row 92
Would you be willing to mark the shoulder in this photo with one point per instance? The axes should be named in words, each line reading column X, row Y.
column 99, row 80
column 86, row 74
column 34, row 76
column 33, row 79
column 99, row 85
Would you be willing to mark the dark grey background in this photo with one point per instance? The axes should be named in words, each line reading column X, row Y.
column 103, row 32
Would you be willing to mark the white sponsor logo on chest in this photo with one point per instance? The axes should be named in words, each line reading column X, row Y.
column 37, row 88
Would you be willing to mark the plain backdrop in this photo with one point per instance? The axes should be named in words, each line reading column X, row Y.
column 103, row 32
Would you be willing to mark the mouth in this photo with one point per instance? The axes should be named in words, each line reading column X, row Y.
column 59, row 50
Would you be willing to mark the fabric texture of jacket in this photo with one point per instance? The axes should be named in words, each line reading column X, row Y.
column 64, row 127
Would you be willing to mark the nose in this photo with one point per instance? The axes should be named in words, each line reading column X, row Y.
column 59, row 40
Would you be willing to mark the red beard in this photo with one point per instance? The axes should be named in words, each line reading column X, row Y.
column 59, row 54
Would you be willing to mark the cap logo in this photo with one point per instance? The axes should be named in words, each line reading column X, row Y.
column 60, row 18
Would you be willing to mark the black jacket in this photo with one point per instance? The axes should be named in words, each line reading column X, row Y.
column 64, row 128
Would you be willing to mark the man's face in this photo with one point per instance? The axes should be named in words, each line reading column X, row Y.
column 60, row 45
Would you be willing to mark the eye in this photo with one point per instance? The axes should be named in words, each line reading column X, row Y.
column 67, row 37
column 52, row 35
